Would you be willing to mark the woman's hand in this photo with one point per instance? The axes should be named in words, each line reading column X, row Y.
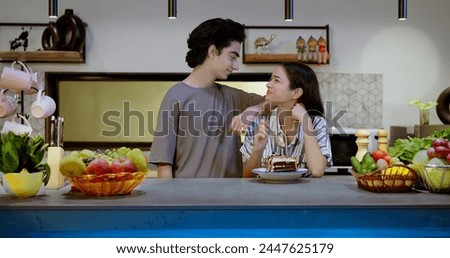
column 262, row 137
column 299, row 112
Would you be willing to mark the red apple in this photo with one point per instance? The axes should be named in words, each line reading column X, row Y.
column 123, row 164
column 98, row 166
column 440, row 142
column 431, row 153
column 442, row 151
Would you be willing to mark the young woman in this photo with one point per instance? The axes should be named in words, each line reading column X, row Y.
column 295, row 128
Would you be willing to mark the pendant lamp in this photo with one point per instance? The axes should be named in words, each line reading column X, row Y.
column 288, row 10
column 53, row 8
column 402, row 10
column 172, row 9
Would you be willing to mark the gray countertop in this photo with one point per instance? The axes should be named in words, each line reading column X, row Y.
column 152, row 193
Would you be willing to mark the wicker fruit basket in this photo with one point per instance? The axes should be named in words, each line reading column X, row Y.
column 395, row 178
column 107, row 184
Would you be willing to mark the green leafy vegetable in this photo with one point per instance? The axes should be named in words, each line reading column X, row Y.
column 405, row 149
column 21, row 151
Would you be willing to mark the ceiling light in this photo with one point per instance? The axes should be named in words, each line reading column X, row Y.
column 402, row 9
column 288, row 10
column 53, row 8
column 172, row 9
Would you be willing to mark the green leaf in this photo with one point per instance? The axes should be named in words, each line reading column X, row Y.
column 10, row 157
column 421, row 105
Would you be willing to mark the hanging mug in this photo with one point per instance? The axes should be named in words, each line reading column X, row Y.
column 16, row 79
column 44, row 106
column 16, row 128
column 8, row 104
column 37, row 83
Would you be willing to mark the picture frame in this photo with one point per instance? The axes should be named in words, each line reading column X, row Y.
column 276, row 44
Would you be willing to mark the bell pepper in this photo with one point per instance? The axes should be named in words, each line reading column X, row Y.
column 366, row 165
column 355, row 164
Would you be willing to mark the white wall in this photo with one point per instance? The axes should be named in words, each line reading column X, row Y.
column 365, row 37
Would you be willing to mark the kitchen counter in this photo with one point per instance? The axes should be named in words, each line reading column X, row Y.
column 331, row 206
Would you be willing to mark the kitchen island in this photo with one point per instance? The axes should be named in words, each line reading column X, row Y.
column 331, row 206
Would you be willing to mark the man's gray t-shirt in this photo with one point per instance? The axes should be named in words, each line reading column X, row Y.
column 192, row 131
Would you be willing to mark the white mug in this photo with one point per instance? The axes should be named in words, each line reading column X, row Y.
column 44, row 106
column 16, row 79
column 17, row 128
column 8, row 104
column 37, row 83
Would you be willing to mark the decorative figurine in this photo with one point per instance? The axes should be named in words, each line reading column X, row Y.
column 322, row 55
column 21, row 41
column 263, row 42
column 301, row 48
column 312, row 52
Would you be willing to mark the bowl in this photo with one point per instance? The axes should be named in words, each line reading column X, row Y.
column 107, row 184
column 435, row 178
column 395, row 178
column 23, row 184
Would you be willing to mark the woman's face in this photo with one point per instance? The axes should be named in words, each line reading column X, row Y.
column 278, row 90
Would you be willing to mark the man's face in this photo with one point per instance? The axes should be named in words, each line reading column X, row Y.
column 227, row 61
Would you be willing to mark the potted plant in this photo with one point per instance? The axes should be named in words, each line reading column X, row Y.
column 21, row 163
column 424, row 110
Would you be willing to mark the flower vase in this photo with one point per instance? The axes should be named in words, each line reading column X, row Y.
column 424, row 116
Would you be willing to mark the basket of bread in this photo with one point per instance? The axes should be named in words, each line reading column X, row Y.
column 382, row 175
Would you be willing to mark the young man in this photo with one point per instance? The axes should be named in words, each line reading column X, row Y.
column 193, row 137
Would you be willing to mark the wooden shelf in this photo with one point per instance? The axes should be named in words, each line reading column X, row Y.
column 272, row 58
column 43, row 56
column 269, row 58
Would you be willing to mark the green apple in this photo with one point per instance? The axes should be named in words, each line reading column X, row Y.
column 72, row 165
column 139, row 159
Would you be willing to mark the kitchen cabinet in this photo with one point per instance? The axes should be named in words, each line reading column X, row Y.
column 331, row 206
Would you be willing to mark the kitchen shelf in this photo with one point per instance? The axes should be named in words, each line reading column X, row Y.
column 269, row 58
column 43, row 56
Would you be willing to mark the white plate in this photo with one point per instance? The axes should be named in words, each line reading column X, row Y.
column 280, row 177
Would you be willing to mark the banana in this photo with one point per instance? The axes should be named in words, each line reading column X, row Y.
column 394, row 171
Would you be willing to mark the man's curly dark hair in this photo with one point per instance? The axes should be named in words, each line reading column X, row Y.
column 219, row 32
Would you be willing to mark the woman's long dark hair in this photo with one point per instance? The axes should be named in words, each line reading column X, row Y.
column 302, row 76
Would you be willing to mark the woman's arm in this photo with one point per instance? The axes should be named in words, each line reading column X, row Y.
column 315, row 160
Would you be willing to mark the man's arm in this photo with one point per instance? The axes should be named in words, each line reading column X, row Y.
column 240, row 122
column 164, row 170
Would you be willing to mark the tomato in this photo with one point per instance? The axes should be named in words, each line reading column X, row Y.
column 378, row 154
column 387, row 158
